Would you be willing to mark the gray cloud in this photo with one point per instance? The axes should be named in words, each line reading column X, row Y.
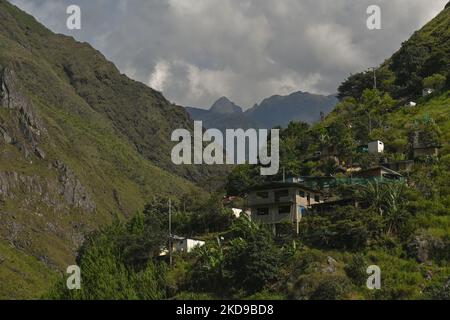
column 197, row 50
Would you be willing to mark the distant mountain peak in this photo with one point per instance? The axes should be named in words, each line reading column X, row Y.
column 224, row 106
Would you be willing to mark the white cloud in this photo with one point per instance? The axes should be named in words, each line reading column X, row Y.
column 160, row 76
column 197, row 50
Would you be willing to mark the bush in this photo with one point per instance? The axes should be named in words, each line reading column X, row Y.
column 356, row 270
column 331, row 288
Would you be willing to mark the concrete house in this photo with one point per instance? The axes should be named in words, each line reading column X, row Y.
column 421, row 149
column 187, row 245
column 379, row 172
column 182, row 244
column 376, row 147
column 279, row 202
column 404, row 165
column 426, row 151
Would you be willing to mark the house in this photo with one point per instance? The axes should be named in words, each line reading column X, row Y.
column 376, row 147
column 426, row 151
column 182, row 244
column 404, row 165
column 379, row 172
column 278, row 202
column 411, row 104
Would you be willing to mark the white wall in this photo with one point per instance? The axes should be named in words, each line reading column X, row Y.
column 376, row 147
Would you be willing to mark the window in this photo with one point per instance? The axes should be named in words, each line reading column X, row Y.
column 263, row 195
column 317, row 198
column 284, row 209
column 262, row 211
column 281, row 193
column 302, row 194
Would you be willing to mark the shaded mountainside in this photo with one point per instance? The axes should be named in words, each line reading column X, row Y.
column 80, row 146
column 298, row 106
column 271, row 112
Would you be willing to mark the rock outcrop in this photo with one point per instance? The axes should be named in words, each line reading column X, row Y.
column 26, row 128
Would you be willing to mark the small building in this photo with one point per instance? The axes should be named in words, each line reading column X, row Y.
column 182, row 244
column 412, row 104
column 425, row 151
column 278, row 202
column 423, row 148
column 379, row 172
column 187, row 245
column 376, row 147
column 403, row 166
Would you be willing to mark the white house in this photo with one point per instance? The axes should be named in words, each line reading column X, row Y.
column 187, row 245
column 376, row 147
column 181, row 244
column 412, row 104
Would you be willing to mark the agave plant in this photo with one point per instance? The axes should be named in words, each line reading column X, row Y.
column 387, row 199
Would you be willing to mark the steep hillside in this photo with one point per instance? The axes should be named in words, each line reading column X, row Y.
column 424, row 55
column 80, row 146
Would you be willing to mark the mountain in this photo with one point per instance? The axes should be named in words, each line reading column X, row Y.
column 81, row 145
column 274, row 111
column 222, row 115
column 298, row 106
column 225, row 106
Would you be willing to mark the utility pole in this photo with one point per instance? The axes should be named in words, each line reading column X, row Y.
column 374, row 77
column 170, row 232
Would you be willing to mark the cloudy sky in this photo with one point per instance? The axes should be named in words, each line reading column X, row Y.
column 196, row 51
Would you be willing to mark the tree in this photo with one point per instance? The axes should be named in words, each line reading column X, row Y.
column 356, row 270
column 252, row 259
column 436, row 82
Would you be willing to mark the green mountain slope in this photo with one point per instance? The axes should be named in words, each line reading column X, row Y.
column 425, row 54
column 80, row 145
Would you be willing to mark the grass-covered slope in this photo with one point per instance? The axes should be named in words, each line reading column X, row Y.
column 80, row 145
